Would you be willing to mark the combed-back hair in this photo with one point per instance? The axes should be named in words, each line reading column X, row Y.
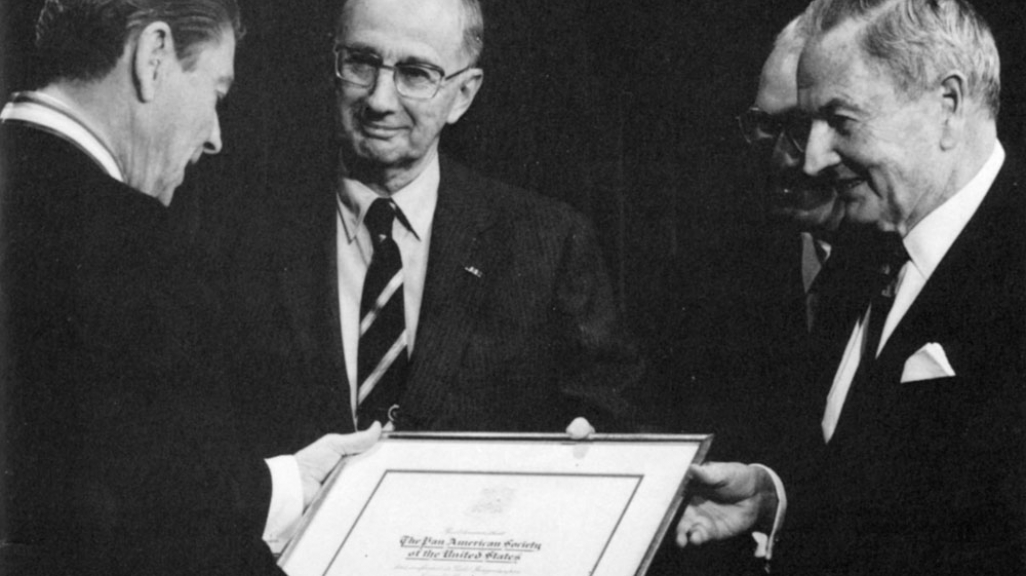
column 472, row 19
column 918, row 41
column 473, row 30
column 83, row 39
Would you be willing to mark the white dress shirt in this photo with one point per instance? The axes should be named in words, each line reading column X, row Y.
column 417, row 201
column 815, row 252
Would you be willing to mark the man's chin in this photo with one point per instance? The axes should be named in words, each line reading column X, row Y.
column 377, row 153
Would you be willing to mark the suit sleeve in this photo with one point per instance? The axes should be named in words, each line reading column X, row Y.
column 606, row 364
column 176, row 489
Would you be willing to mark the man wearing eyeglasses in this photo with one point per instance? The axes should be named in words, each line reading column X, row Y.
column 826, row 260
column 414, row 292
column 776, row 130
column 832, row 256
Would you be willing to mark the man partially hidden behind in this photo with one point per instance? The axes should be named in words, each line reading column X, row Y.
column 830, row 260
column 121, row 453
column 920, row 468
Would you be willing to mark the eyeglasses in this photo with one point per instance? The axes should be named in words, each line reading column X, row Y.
column 414, row 81
column 759, row 127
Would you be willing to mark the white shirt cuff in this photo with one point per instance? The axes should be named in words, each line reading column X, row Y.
column 286, row 502
column 764, row 542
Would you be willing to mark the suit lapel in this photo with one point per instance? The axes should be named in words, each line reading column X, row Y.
column 309, row 284
column 458, row 271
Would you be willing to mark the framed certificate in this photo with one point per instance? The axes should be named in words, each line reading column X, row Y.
column 429, row 504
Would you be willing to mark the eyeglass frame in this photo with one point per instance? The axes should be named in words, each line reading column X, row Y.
column 780, row 126
column 380, row 65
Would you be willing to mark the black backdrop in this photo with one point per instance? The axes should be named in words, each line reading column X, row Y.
column 624, row 109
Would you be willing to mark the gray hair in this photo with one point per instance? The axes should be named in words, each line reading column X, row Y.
column 471, row 18
column 473, row 30
column 916, row 41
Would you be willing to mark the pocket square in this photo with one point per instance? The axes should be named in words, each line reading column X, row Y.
column 927, row 363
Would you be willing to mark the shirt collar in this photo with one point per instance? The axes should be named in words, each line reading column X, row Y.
column 416, row 201
column 932, row 237
column 815, row 252
column 54, row 115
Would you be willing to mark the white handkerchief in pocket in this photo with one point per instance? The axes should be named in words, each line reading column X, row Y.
column 927, row 363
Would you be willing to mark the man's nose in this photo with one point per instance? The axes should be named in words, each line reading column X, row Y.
column 383, row 95
column 819, row 150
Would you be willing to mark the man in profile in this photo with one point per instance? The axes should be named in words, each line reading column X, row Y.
column 828, row 259
column 121, row 444
column 921, row 467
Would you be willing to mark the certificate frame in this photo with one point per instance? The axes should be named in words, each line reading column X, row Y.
column 491, row 504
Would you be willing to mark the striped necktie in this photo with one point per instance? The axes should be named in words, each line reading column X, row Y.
column 382, row 357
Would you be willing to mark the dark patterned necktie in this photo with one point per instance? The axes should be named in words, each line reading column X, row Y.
column 382, row 357
column 880, row 305
column 865, row 389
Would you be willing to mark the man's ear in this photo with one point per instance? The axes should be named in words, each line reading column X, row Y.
column 953, row 108
column 154, row 52
column 467, row 91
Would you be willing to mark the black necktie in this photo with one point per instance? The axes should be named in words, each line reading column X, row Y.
column 881, row 282
column 382, row 357
column 893, row 259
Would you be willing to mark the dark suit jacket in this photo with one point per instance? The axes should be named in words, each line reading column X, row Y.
column 119, row 450
column 928, row 477
column 756, row 363
column 526, row 343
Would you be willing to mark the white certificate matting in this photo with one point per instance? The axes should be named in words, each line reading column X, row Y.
column 472, row 504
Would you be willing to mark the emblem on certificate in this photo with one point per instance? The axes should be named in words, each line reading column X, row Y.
column 430, row 504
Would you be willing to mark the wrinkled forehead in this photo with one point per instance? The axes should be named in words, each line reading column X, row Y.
column 421, row 29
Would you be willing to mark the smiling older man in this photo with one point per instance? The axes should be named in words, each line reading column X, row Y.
column 922, row 466
column 439, row 299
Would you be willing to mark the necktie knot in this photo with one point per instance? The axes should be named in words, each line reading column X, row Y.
column 892, row 258
column 379, row 220
column 895, row 256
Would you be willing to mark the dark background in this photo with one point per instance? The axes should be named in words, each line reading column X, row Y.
column 624, row 109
